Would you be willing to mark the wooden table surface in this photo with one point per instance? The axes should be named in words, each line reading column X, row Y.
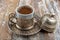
column 7, row 7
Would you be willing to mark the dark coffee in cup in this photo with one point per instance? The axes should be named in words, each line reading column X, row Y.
column 25, row 10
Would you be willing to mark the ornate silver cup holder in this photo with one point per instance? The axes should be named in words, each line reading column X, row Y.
column 12, row 25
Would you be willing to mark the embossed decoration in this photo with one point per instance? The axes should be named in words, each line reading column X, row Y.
column 32, row 31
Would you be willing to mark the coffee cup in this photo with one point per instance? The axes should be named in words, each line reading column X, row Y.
column 24, row 15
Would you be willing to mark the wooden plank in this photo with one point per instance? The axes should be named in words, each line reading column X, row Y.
column 6, row 6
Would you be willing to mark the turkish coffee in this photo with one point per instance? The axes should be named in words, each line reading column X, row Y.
column 25, row 10
column 25, row 18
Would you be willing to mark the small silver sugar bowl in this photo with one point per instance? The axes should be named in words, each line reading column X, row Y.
column 48, row 22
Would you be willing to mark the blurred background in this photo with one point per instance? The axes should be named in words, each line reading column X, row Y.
column 40, row 6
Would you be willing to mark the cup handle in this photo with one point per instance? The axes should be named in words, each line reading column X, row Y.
column 12, row 18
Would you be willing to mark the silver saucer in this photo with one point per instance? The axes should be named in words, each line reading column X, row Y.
column 32, row 31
